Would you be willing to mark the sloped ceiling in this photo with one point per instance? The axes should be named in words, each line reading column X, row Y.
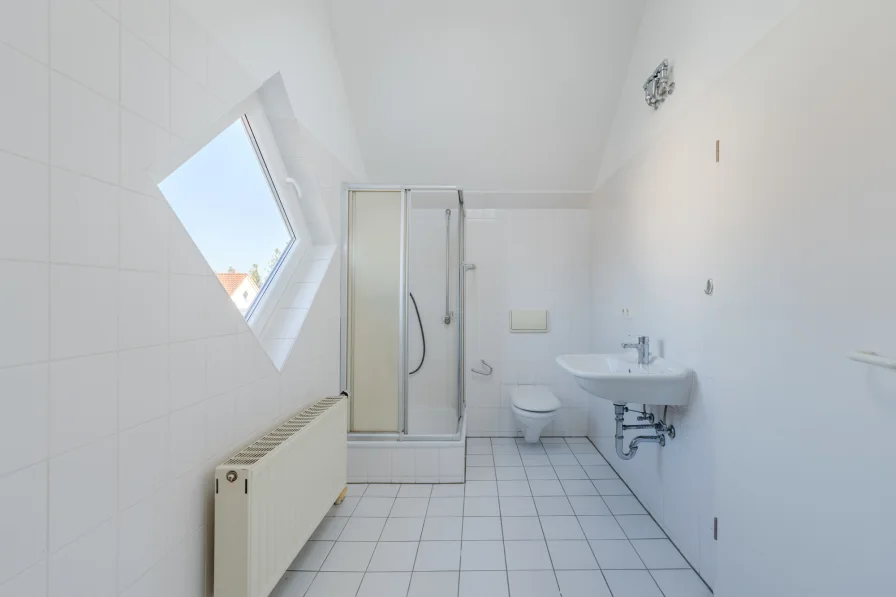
column 498, row 95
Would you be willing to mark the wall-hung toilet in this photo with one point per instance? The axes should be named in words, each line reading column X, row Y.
column 534, row 407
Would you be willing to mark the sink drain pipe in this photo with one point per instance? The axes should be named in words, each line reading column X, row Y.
column 660, row 428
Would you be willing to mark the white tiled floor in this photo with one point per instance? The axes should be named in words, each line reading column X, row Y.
column 540, row 520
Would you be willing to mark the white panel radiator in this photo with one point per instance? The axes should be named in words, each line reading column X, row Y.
column 270, row 497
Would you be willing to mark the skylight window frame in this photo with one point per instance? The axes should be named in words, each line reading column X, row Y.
column 253, row 110
column 293, row 238
column 283, row 272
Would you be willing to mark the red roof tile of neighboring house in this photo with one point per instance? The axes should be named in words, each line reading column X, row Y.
column 231, row 282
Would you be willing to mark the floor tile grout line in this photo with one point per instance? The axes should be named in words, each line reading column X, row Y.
column 501, row 517
column 652, row 518
column 659, row 588
column 550, row 557
column 504, row 547
column 594, row 555
column 308, row 588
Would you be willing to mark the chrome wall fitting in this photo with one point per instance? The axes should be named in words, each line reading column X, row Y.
column 449, row 314
column 658, row 86
column 660, row 428
column 645, row 416
column 488, row 369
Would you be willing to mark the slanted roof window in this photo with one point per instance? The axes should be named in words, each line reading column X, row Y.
column 227, row 200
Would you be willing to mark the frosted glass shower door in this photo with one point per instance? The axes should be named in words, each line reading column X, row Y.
column 375, row 297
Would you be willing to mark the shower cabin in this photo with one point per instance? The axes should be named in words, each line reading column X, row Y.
column 403, row 332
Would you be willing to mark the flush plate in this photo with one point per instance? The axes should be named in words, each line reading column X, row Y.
column 529, row 321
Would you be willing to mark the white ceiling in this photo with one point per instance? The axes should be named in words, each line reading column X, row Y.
column 500, row 95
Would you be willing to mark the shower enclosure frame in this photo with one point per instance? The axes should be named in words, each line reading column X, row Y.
column 403, row 433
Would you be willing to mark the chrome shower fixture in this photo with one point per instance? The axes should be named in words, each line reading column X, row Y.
column 658, row 86
column 449, row 314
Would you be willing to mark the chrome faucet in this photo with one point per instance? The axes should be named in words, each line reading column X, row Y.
column 643, row 347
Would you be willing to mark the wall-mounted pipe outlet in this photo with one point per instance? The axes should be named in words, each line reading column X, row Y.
column 660, row 428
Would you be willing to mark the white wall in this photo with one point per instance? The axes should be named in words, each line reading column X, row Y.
column 502, row 95
column 701, row 38
column 292, row 37
column 786, row 440
column 126, row 371
column 525, row 259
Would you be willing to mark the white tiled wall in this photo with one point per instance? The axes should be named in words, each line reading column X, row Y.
column 526, row 259
column 292, row 308
column 406, row 462
column 788, row 243
column 126, row 372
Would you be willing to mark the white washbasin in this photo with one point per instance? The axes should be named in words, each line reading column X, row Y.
column 620, row 379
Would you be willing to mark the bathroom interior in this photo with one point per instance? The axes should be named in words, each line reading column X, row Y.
column 333, row 298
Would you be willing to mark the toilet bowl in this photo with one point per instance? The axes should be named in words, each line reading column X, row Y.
column 534, row 407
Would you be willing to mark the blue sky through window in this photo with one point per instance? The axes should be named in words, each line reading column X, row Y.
column 223, row 199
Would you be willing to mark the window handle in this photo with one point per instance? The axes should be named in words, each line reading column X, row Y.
column 293, row 182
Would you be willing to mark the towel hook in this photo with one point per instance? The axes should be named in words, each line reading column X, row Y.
column 489, row 368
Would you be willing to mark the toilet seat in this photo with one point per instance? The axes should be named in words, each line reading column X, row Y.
column 535, row 399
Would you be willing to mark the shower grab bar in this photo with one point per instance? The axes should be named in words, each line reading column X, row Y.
column 448, row 313
column 487, row 366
